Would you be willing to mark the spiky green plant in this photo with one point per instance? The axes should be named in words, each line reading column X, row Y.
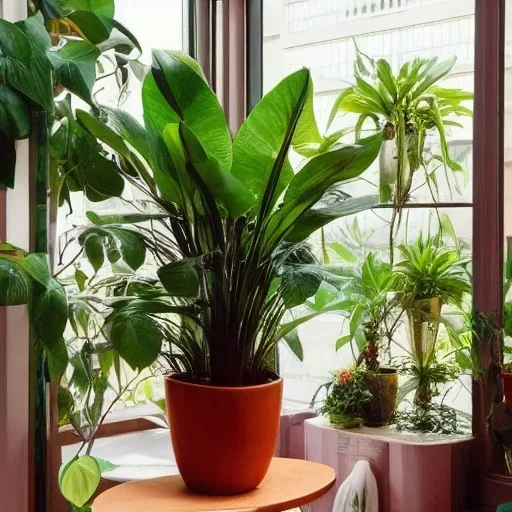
column 430, row 269
column 404, row 106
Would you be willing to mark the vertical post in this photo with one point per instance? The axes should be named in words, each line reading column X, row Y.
column 254, row 29
column 233, row 61
column 488, row 215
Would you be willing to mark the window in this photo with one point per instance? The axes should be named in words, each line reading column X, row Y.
column 325, row 37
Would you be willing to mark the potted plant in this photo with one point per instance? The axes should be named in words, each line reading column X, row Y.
column 371, row 308
column 405, row 107
column 429, row 276
column 347, row 394
column 234, row 220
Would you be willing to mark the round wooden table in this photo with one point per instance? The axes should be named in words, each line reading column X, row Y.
column 289, row 483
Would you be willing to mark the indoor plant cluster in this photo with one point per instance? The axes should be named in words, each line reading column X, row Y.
column 227, row 221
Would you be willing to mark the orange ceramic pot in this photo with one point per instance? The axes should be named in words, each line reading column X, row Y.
column 507, row 388
column 224, row 438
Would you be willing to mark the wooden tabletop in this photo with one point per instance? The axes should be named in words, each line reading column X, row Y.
column 289, row 483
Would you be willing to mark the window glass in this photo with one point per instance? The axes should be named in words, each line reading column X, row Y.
column 325, row 36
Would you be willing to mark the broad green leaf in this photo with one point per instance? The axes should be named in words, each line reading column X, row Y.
column 293, row 341
column 80, row 479
column 102, row 132
column 80, row 278
column 156, row 115
column 130, row 130
column 185, row 96
column 15, row 284
column 49, row 312
column 57, row 359
column 14, row 45
column 25, row 69
column 33, row 27
column 137, row 338
column 318, row 174
column 315, row 218
column 121, row 39
column 132, row 247
column 102, row 179
column 223, row 185
column 262, row 137
column 104, row 8
column 298, row 283
column 75, row 67
column 180, row 278
column 93, row 246
column 106, row 360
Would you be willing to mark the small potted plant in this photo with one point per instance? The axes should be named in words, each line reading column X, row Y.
column 347, row 394
column 429, row 276
column 370, row 305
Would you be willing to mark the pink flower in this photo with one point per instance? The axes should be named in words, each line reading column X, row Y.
column 344, row 376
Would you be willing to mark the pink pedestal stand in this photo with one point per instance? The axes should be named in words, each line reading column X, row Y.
column 420, row 473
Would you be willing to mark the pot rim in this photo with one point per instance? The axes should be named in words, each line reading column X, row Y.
column 170, row 376
column 388, row 370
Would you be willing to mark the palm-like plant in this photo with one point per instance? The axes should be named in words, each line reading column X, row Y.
column 236, row 218
column 429, row 270
column 429, row 276
column 405, row 107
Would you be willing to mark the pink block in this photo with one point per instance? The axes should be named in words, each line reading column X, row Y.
column 290, row 442
column 420, row 473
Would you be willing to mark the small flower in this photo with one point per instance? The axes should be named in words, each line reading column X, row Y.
column 344, row 376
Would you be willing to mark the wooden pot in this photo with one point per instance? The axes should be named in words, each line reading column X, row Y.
column 224, row 438
column 384, row 388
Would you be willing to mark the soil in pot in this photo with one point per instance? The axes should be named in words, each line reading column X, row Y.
column 224, row 438
column 384, row 388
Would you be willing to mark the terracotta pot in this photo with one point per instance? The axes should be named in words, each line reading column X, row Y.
column 384, row 388
column 507, row 388
column 224, row 438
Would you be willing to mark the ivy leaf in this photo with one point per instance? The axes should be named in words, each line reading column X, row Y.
column 75, row 67
column 137, row 338
column 132, row 247
column 180, row 278
column 15, row 119
column 298, row 283
column 79, row 479
column 93, row 247
column 15, row 284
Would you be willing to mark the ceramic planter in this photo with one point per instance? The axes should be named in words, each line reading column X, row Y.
column 224, row 438
column 424, row 316
column 384, row 388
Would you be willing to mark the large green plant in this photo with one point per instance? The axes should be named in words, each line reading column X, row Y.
column 405, row 107
column 236, row 217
